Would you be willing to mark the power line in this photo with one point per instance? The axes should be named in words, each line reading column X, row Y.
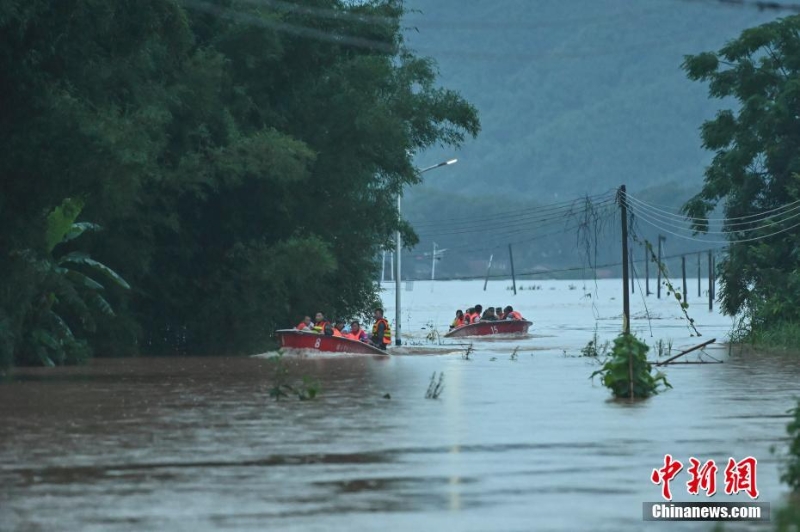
column 516, row 222
column 728, row 231
column 538, row 209
column 299, row 31
column 730, row 241
column 726, row 220
column 760, row 5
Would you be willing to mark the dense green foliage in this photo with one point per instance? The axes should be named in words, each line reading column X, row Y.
column 241, row 159
column 755, row 169
column 629, row 358
column 791, row 472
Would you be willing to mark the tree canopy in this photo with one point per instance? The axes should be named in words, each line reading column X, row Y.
column 754, row 172
column 241, row 158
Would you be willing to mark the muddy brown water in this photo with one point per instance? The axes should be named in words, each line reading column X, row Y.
column 525, row 444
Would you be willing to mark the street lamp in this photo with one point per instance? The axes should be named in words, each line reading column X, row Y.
column 399, row 245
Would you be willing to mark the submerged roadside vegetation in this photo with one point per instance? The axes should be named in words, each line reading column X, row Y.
column 242, row 160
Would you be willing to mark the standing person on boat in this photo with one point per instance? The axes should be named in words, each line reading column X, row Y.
column 305, row 324
column 381, row 332
column 459, row 321
column 512, row 314
column 357, row 333
column 498, row 311
column 489, row 315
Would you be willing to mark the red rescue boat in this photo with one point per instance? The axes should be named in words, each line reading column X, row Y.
column 490, row 328
column 294, row 339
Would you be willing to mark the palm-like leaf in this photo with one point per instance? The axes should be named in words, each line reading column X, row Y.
column 78, row 228
column 85, row 260
column 100, row 303
column 80, row 279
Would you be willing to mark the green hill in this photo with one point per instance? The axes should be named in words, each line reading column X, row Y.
column 575, row 98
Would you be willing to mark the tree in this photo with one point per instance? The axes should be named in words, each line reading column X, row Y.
column 242, row 158
column 755, row 169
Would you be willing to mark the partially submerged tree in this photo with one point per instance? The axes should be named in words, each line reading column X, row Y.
column 754, row 173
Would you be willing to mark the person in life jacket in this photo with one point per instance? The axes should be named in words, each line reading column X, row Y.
column 459, row 321
column 305, row 324
column 357, row 333
column 468, row 316
column 489, row 315
column 381, row 332
column 498, row 311
column 338, row 329
column 320, row 323
column 512, row 314
column 476, row 314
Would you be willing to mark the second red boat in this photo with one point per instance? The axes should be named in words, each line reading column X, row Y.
column 490, row 328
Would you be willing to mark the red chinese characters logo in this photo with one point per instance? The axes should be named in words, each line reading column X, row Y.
column 702, row 477
column 739, row 476
column 664, row 475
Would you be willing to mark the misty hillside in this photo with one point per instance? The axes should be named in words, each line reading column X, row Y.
column 575, row 97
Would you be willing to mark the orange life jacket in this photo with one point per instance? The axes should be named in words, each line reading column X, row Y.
column 301, row 326
column 514, row 315
column 474, row 317
column 337, row 332
column 356, row 337
column 387, row 332
column 458, row 322
column 320, row 326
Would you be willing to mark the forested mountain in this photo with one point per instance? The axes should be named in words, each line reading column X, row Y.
column 575, row 97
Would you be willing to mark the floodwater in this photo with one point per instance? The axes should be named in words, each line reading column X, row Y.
column 526, row 444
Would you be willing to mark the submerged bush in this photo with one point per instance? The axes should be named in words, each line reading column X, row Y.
column 629, row 357
column 791, row 472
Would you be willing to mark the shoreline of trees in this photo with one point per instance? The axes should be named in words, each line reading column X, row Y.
column 242, row 161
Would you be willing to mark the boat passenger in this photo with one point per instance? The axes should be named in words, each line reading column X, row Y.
column 476, row 315
column 305, row 324
column 320, row 323
column 468, row 316
column 339, row 327
column 381, row 332
column 498, row 311
column 357, row 333
column 512, row 314
column 489, row 315
column 459, row 321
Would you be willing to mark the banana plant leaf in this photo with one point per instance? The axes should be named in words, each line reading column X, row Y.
column 84, row 260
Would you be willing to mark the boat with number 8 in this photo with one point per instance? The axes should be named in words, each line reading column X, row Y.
column 491, row 328
column 295, row 339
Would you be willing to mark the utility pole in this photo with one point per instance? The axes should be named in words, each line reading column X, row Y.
column 397, row 280
column 383, row 267
column 488, row 269
column 683, row 274
column 433, row 263
column 647, row 291
column 513, row 277
column 699, row 278
column 633, row 272
column 626, row 304
column 658, row 288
